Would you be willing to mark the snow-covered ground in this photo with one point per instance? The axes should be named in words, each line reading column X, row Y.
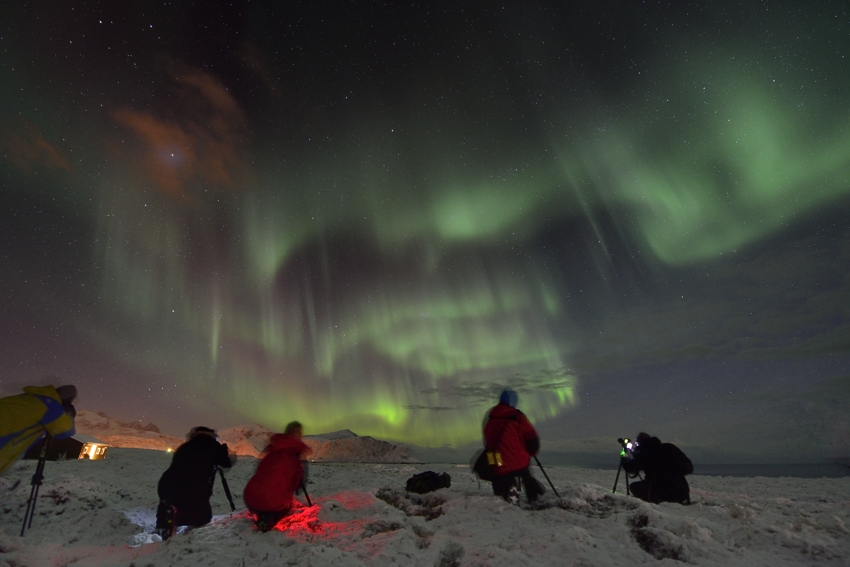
column 102, row 512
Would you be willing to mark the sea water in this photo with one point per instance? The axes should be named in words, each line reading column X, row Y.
column 794, row 470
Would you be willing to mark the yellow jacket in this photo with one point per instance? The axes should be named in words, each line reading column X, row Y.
column 25, row 418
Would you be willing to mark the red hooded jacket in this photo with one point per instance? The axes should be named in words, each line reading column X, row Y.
column 509, row 432
column 278, row 475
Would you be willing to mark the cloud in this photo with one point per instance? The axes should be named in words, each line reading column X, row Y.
column 430, row 408
column 27, row 149
column 191, row 145
column 544, row 381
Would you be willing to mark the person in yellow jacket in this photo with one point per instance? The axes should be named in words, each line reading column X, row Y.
column 27, row 417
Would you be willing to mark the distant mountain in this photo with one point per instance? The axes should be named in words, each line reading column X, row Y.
column 248, row 439
column 343, row 446
column 132, row 435
column 101, row 421
column 347, row 447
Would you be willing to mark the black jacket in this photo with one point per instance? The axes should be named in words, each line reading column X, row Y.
column 664, row 467
column 189, row 480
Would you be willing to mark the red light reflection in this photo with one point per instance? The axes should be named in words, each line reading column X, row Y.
column 303, row 524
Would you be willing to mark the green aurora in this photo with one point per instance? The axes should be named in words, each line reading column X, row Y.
column 370, row 258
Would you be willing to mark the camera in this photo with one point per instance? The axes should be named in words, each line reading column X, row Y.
column 629, row 448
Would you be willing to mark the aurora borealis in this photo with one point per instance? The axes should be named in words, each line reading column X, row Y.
column 373, row 217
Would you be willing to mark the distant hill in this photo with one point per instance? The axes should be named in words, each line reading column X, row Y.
column 342, row 446
column 247, row 440
column 347, row 447
column 132, row 435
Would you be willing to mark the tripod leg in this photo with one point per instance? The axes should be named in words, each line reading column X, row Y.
column 307, row 496
column 227, row 490
column 617, row 478
column 36, row 483
column 547, row 477
column 30, row 508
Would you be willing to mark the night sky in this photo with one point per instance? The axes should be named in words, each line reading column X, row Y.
column 375, row 216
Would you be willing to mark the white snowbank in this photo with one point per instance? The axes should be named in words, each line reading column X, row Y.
column 100, row 513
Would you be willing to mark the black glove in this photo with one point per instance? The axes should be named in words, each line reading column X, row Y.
column 70, row 409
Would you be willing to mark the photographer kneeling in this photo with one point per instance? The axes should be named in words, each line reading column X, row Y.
column 664, row 466
column 186, row 487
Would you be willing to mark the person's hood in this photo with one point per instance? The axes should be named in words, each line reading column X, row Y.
column 284, row 442
column 46, row 391
column 502, row 411
column 652, row 442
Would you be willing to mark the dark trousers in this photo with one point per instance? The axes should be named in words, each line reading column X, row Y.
column 657, row 490
column 185, row 516
column 640, row 489
column 271, row 518
column 503, row 483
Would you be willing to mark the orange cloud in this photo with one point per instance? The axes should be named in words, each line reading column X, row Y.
column 193, row 145
column 28, row 150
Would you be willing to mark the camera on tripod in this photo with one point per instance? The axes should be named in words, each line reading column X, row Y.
column 629, row 448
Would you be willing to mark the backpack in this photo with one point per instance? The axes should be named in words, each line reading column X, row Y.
column 428, row 481
column 679, row 463
column 481, row 466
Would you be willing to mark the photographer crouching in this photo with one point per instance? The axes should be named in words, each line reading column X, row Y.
column 664, row 466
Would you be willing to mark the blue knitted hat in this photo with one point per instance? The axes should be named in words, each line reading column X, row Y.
column 509, row 397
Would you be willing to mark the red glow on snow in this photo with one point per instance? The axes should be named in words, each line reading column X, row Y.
column 352, row 500
column 303, row 524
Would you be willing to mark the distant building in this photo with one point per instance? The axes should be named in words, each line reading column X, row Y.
column 77, row 447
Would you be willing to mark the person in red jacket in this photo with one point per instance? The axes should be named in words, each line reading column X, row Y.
column 269, row 492
column 509, row 434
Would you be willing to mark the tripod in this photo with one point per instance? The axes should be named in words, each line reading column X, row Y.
column 36, row 484
column 627, row 479
column 303, row 487
column 226, row 488
column 617, row 479
column 547, row 477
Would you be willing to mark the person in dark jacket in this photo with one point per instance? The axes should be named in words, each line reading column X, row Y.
column 513, row 440
column 664, row 466
column 186, row 487
column 269, row 492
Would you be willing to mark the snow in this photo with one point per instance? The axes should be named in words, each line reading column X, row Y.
column 101, row 513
